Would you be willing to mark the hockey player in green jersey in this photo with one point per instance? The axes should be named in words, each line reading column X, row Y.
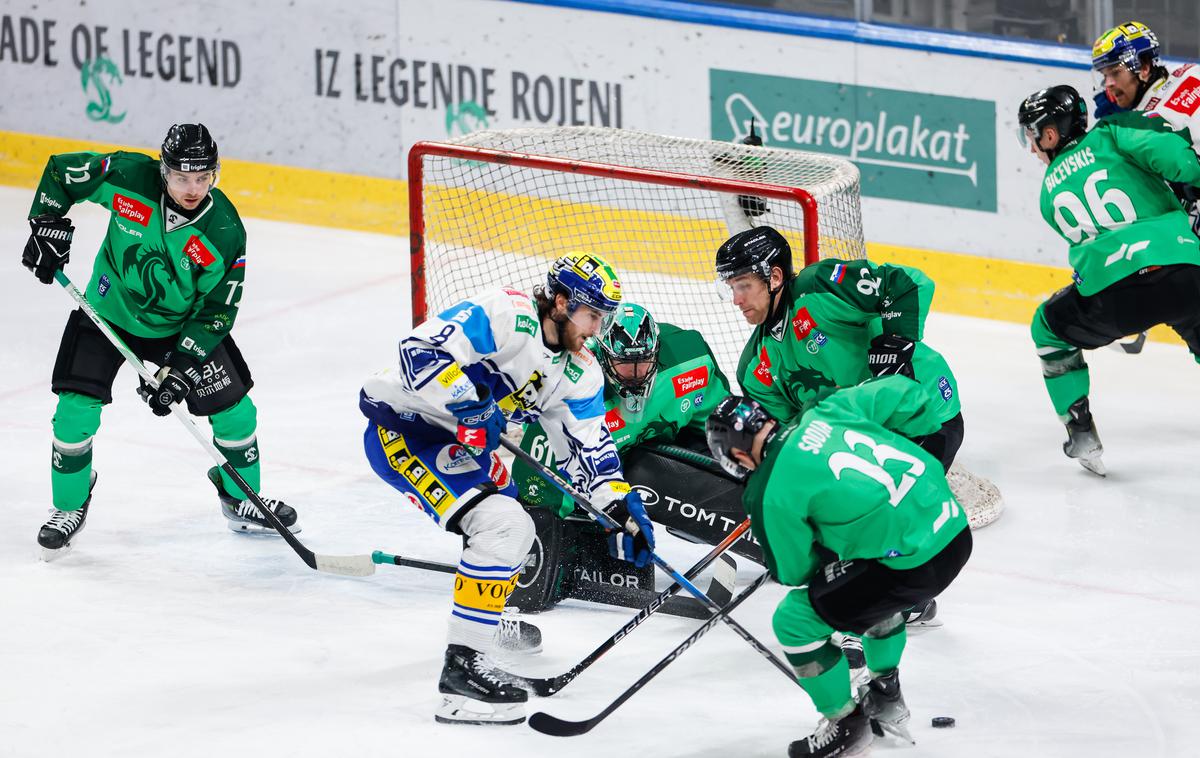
column 168, row 278
column 660, row 384
column 1136, row 261
column 843, row 477
column 833, row 324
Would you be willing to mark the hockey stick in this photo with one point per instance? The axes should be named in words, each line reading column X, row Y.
column 442, row 568
column 345, row 565
column 551, row 685
column 720, row 588
column 608, row 523
column 547, row 724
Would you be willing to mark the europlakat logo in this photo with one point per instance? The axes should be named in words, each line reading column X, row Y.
column 912, row 146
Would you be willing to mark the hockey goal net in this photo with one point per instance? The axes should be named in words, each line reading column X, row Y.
column 496, row 207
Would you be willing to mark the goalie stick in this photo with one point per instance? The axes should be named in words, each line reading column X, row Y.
column 345, row 565
column 608, row 523
column 552, row 725
column 548, row 686
column 720, row 589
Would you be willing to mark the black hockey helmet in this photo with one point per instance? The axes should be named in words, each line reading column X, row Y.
column 1059, row 106
column 732, row 425
column 189, row 147
column 754, row 251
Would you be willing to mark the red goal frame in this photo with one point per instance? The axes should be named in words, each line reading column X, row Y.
column 416, row 216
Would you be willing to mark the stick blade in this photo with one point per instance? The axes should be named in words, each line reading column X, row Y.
column 548, row 687
column 556, row 727
column 346, row 565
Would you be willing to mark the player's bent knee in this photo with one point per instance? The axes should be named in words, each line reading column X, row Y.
column 76, row 417
column 499, row 527
column 796, row 623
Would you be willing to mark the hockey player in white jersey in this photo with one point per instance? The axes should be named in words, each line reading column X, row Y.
column 1132, row 77
column 499, row 356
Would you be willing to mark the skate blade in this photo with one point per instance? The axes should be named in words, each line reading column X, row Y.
column 247, row 527
column 505, row 651
column 917, row 625
column 47, row 555
column 1094, row 465
column 894, row 729
column 460, row 709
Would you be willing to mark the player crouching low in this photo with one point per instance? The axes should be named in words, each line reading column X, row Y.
column 499, row 356
column 842, row 476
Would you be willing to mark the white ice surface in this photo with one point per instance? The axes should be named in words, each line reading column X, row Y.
column 1074, row 631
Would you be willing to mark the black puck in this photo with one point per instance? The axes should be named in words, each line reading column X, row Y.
column 942, row 722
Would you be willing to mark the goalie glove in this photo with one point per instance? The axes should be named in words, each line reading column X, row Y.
column 49, row 246
column 635, row 542
column 891, row 354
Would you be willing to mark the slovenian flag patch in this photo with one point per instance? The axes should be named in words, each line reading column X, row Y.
column 104, row 164
column 839, row 273
column 239, row 263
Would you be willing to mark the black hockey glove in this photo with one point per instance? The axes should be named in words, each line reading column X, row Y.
column 49, row 246
column 891, row 354
column 636, row 540
column 174, row 384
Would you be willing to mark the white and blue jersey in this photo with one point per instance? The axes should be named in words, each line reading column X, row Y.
column 492, row 340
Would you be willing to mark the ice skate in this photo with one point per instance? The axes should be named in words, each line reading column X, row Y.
column 1083, row 443
column 244, row 516
column 847, row 737
column 884, row 705
column 516, row 636
column 474, row 692
column 56, row 535
column 921, row 617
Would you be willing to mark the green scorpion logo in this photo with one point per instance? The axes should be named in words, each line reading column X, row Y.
column 151, row 268
column 94, row 73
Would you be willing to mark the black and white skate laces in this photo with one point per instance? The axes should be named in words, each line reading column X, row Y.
column 827, row 732
column 65, row 522
column 246, row 509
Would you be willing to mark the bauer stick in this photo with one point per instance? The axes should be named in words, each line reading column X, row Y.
column 548, row 686
column 547, row 724
column 345, row 565
column 608, row 523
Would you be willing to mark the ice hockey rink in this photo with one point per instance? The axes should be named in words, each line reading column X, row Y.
column 1072, row 632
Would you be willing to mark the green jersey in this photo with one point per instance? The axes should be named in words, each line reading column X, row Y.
column 686, row 388
column 157, row 273
column 1106, row 197
column 819, row 341
column 845, row 476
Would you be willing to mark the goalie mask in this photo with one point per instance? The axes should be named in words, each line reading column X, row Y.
column 628, row 353
column 732, row 426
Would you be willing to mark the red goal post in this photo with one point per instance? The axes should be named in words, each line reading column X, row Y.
column 497, row 206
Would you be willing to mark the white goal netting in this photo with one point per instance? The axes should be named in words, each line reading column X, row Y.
column 656, row 207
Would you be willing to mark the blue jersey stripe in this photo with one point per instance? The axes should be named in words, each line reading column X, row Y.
column 590, row 407
column 477, row 326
